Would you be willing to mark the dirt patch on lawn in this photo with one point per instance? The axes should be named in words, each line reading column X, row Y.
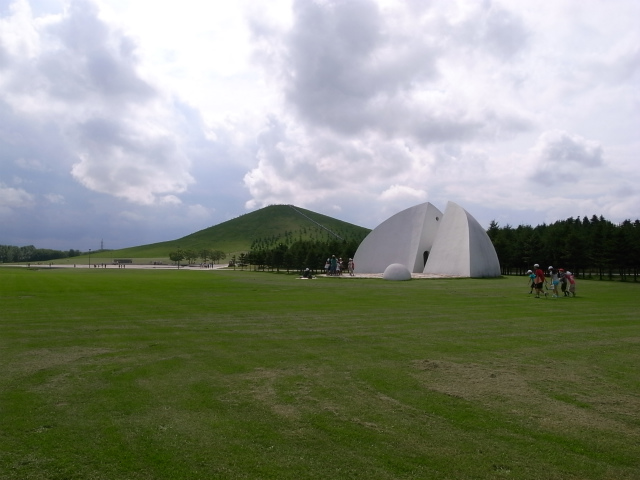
column 267, row 386
column 541, row 394
column 293, row 392
column 32, row 361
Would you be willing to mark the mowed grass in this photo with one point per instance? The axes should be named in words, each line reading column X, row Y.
column 151, row 374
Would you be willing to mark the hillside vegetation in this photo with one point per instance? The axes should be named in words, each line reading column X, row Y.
column 264, row 228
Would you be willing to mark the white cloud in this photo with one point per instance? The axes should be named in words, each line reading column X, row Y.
column 467, row 78
column 14, row 198
column 199, row 212
column 347, row 67
column 169, row 200
column 83, row 76
column 403, row 192
column 559, row 156
column 54, row 198
column 126, row 160
column 32, row 164
column 131, row 216
column 184, row 118
column 18, row 33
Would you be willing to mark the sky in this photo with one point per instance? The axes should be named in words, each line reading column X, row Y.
column 129, row 122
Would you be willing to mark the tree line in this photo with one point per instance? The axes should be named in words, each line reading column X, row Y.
column 590, row 248
column 299, row 255
column 191, row 256
column 11, row 254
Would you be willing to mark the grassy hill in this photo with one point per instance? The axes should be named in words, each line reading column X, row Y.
column 265, row 227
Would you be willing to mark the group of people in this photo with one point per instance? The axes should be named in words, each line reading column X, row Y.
column 334, row 266
column 539, row 281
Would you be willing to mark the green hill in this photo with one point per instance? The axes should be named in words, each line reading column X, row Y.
column 266, row 227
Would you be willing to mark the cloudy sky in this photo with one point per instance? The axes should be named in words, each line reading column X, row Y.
column 138, row 121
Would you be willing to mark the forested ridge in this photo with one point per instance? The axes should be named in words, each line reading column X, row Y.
column 29, row 253
column 590, row 248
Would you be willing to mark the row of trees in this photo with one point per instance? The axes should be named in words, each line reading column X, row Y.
column 191, row 256
column 299, row 255
column 592, row 247
column 11, row 254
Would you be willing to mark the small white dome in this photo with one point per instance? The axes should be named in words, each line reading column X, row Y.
column 396, row 271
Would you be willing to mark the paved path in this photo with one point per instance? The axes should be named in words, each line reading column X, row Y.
column 201, row 269
column 99, row 266
column 379, row 275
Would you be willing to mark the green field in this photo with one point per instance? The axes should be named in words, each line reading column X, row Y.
column 167, row 374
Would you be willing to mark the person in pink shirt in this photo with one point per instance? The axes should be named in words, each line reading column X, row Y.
column 572, row 283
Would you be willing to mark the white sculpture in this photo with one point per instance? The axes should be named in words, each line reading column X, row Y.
column 425, row 240
column 396, row 271
column 402, row 238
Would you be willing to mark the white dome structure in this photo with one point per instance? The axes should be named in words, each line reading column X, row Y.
column 402, row 238
column 397, row 272
column 462, row 247
column 424, row 240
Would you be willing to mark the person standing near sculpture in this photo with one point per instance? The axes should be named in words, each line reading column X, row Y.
column 351, row 266
column 334, row 265
column 539, row 281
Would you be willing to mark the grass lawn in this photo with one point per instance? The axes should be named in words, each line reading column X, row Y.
column 152, row 374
